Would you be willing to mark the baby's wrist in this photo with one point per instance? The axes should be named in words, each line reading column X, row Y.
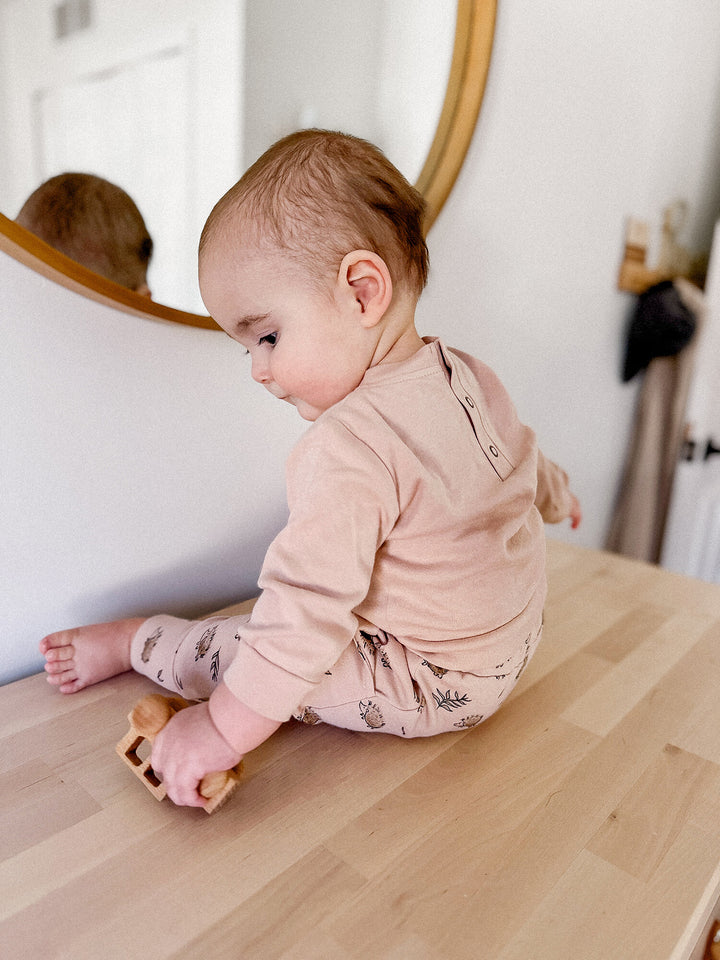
column 226, row 713
column 239, row 726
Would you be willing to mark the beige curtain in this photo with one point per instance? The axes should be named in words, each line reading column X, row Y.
column 638, row 523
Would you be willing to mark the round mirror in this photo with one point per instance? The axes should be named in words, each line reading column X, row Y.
column 174, row 113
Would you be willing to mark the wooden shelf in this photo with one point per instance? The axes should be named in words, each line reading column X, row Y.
column 635, row 276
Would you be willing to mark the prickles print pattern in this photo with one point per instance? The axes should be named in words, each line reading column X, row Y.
column 371, row 714
column 205, row 642
column 308, row 716
column 150, row 645
column 468, row 722
column 438, row 672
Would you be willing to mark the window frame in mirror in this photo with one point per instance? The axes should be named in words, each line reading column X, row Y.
column 472, row 49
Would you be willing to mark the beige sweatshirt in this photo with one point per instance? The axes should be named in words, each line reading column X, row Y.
column 412, row 508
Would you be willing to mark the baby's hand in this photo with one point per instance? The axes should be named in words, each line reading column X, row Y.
column 188, row 748
column 575, row 512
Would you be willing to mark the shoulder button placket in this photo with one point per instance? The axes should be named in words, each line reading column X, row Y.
column 481, row 426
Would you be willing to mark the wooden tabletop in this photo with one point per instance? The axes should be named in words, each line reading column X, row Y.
column 581, row 821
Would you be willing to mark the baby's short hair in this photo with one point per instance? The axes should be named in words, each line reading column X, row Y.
column 318, row 195
column 93, row 221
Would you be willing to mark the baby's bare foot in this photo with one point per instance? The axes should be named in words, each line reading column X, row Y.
column 85, row 655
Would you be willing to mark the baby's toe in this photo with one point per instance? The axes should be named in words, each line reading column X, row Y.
column 71, row 686
column 52, row 641
column 56, row 667
column 60, row 654
column 60, row 678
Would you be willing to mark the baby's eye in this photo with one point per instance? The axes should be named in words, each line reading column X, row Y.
column 269, row 338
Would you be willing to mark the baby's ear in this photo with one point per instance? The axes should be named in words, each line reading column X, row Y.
column 365, row 281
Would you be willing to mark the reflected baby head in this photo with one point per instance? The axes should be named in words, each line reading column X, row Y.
column 93, row 221
column 316, row 195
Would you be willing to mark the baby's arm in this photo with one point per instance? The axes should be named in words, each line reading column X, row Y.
column 206, row 738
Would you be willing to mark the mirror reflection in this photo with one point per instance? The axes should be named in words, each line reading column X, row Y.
column 171, row 102
column 95, row 223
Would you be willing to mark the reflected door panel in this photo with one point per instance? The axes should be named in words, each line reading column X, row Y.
column 146, row 96
column 78, row 125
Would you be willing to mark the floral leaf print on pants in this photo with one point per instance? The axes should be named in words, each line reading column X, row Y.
column 444, row 701
column 215, row 666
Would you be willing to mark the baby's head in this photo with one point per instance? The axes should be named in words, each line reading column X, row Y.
column 315, row 196
column 313, row 262
column 93, row 221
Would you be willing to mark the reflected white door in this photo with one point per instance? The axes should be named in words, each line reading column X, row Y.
column 106, row 123
column 146, row 95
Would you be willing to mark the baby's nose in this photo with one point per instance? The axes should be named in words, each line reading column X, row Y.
column 259, row 371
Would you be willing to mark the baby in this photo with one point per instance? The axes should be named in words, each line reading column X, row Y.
column 405, row 595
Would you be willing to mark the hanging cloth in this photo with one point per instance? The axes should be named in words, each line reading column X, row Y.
column 661, row 341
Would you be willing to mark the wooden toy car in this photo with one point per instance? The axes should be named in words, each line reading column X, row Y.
column 147, row 718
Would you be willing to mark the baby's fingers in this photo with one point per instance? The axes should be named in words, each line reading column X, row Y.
column 188, row 798
column 182, row 789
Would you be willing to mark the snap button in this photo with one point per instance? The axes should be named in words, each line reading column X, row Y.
column 469, row 402
column 494, row 450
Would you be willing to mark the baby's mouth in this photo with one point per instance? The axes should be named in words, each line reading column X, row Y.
column 278, row 396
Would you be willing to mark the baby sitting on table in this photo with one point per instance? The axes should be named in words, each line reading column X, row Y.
column 405, row 594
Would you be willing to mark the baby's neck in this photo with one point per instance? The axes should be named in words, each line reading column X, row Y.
column 398, row 339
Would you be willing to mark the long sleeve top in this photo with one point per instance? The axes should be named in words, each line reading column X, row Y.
column 416, row 504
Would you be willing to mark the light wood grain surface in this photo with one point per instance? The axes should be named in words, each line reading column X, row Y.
column 582, row 821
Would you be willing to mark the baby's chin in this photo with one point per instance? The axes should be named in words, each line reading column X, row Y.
column 307, row 414
column 304, row 409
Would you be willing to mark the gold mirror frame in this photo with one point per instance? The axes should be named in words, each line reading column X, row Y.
column 466, row 86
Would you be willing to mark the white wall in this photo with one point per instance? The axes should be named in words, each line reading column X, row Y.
column 592, row 112
column 141, row 467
